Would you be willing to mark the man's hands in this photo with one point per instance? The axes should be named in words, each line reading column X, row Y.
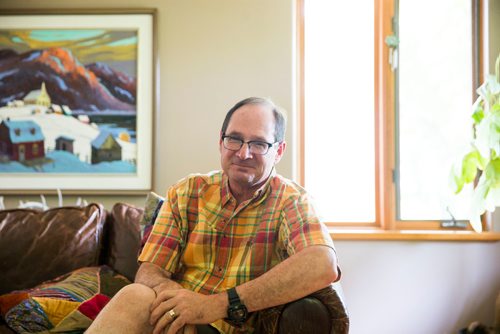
column 189, row 308
column 307, row 271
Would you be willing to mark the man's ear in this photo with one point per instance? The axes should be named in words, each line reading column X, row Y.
column 220, row 141
column 280, row 151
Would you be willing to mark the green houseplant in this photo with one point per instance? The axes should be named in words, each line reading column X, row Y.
column 481, row 165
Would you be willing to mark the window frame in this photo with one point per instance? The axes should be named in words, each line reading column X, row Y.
column 387, row 226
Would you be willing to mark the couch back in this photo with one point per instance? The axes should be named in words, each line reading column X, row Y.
column 122, row 239
column 36, row 246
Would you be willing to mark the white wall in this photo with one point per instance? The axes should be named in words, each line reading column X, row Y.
column 419, row 287
column 213, row 53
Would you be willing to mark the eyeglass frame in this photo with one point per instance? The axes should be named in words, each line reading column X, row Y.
column 249, row 143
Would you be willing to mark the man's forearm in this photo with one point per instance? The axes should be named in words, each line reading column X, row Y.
column 301, row 274
column 313, row 268
column 153, row 276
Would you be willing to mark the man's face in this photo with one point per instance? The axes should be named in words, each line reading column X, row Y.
column 246, row 170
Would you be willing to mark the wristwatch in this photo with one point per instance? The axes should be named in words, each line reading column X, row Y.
column 237, row 312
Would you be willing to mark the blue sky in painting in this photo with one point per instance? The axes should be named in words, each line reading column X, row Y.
column 125, row 41
column 63, row 35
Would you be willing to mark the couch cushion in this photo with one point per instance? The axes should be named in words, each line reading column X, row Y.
column 67, row 304
column 37, row 246
column 125, row 229
column 123, row 239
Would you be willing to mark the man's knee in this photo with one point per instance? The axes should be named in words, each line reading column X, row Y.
column 136, row 293
column 133, row 301
column 127, row 312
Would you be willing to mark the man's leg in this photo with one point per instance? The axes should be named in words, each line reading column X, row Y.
column 126, row 313
column 206, row 329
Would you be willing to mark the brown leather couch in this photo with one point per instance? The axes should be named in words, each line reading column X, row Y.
column 38, row 246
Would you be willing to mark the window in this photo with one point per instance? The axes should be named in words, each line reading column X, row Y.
column 385, row 107
column 339, row 118
column 434, row 105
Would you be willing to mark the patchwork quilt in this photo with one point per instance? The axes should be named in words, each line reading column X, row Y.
column 67, row 304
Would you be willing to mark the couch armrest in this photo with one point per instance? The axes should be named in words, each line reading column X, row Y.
column 321, row 312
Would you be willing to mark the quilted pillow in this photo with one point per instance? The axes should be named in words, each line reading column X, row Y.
column 36, row 246
column 151, row 210
column 67, row 304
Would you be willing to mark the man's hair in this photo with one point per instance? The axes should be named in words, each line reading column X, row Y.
column 279, row 116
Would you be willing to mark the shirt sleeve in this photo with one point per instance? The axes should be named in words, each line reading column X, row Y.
column 165, row 242
column 301, row 226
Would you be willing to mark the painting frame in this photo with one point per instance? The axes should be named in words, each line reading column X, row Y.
column 143, row 21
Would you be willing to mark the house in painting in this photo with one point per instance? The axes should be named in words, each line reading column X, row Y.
column 21, row 140
column 15, row 103
column 39, row 97
column 56, row 109
column 105, row 148
column 64, row 143
column 60, row 110
column 66, row 110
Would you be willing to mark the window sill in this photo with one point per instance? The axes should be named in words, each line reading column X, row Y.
column 412, row 235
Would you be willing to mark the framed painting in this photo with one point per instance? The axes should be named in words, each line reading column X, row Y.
column 77, row 100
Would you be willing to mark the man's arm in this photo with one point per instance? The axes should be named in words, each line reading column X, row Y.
column 303, row 273
column 155, row 277
column 159, row 280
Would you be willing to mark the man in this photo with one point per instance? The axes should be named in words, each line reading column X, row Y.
column 227, row 243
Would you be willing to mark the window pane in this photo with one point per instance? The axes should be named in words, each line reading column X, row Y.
column 339, row 108
column 435, row 99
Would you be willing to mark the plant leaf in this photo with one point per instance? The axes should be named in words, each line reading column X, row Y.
column 456, row 180
column 476, row 224
column 470, row 164
column 492, row 199
column 492, row 173
column 478, row 115
column 488, row 135
column 477, row 110
column 483, row 91
column 494, row 85
column 478, row 205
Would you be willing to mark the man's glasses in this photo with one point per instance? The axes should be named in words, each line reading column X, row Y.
column 254, row 146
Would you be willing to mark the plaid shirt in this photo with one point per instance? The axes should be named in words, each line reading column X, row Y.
column 210, row 244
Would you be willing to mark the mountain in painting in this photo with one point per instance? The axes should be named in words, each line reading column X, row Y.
column 67, row 81
column 121, row 85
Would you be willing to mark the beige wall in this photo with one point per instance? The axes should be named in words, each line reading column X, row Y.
column 494, row 32
column 211, row 54
column 493, row 53
column 214, row 52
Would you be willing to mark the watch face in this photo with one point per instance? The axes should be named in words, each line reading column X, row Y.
column 238, row 313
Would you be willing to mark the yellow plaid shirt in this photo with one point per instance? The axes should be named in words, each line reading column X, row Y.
column 210, row 244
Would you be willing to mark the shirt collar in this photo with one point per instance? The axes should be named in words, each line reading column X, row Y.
column 226, row 195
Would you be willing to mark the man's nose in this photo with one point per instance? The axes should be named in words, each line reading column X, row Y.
column 244, row 152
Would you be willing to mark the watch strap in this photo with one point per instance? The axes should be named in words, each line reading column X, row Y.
column 233, row 297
